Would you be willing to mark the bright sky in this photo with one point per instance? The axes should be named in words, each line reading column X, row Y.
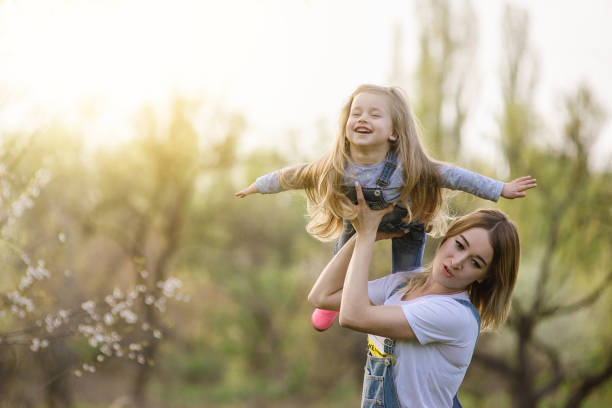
column 282, row 64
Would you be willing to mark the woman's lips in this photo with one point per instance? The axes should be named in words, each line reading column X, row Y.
column 446, row 271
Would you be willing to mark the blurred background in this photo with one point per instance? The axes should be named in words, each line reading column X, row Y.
column 131, row 275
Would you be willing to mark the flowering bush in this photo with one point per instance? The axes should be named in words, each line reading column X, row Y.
column 114, row 326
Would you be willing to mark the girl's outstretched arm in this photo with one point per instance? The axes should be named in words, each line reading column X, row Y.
column 456, row 178
column 252, row 189
column 517, row 187
column 292, row 178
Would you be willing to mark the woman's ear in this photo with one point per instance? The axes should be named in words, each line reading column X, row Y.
column 393, row 137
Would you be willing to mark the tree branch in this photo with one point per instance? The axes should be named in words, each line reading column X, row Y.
column 555, row 361
column 494, row 363
column 589, row 384
column 579, row 304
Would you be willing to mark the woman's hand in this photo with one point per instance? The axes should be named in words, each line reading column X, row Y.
column 368, row 220
column 380, row 235
column 252, row 189
column 517, row 187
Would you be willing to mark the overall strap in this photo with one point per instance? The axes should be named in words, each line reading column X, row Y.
column 387, row 171
column 395, row 289
column 389, row 344
column 470, row 306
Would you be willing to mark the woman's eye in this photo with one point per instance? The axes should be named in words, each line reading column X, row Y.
column 476, row 264
column 458, row 244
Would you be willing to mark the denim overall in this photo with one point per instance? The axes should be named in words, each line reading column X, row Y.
column 407, row 250
column 378, row 384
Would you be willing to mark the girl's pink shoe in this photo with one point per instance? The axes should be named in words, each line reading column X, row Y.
column 323, row 319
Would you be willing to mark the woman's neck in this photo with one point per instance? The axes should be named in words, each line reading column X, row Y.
column 367, row 156
column 430, row 287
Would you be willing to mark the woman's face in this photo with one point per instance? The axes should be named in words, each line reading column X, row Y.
column 462, row 259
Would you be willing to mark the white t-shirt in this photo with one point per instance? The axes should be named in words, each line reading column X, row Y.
column 429, row 369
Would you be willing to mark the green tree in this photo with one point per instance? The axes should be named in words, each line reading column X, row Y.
column 566, row 246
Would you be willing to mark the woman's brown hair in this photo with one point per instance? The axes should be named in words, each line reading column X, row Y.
column 492, row 296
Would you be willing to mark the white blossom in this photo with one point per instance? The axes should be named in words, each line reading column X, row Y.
column 135, row 347
column 106, row 350
column 129, row 316
column 88, row 306
column 170, row 286
column 18, row 302
column 117, row 294
column 160, row 304
column 109, row 319
column 35, row 344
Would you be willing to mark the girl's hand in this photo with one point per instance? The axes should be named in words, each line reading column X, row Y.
column 516, row 188
column 367, row 220
column 252, row 189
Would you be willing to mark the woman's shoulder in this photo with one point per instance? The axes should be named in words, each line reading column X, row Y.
column 442, row 318
column 458, row 311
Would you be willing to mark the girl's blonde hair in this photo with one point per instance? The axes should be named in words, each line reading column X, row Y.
column 492, row 296
column 322, row 179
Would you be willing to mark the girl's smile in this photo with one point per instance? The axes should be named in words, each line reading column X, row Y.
column 369, row 128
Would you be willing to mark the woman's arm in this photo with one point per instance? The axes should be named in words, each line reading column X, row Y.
column 327, row 290
column 326, row 293
column 356, row 310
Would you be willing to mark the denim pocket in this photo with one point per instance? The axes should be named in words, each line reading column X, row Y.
column 407, row 252
column 373, row 391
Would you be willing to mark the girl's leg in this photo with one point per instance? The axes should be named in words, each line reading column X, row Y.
column 407, row 250
column 323, row 319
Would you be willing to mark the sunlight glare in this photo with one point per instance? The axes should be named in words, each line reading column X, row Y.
column 67, row 56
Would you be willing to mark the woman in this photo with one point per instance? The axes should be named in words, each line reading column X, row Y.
column 422, row 326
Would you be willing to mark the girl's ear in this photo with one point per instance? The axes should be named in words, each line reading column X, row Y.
column 393, row 137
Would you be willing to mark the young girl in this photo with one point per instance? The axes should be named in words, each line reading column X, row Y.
column 378, row 145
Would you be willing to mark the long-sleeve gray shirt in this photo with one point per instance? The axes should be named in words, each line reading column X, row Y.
column 454, row 178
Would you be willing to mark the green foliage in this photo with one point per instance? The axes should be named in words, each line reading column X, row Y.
column 162, row 204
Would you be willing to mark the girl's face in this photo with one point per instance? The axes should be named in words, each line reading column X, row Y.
column 369, row 124
column 462, row 259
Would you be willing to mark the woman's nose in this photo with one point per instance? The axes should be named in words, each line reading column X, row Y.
column 457, row 262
